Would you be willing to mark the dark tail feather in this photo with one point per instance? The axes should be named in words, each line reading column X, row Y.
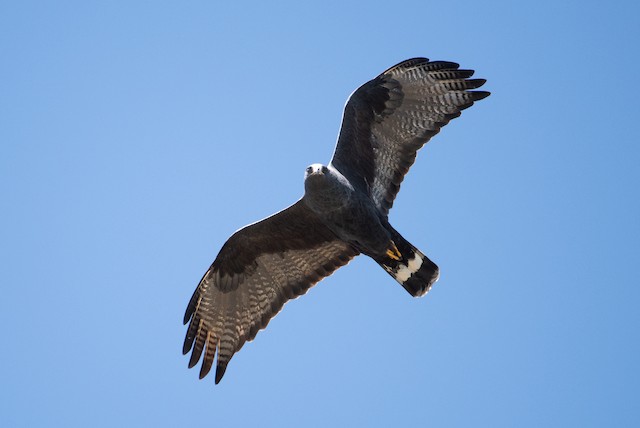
column 412, row 269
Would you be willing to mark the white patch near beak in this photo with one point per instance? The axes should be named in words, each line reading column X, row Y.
column 315, row 168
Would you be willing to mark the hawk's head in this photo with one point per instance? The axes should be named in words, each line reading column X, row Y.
column 323, row 189
column 315, row 168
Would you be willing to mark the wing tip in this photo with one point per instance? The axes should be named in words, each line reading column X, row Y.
column 475, row 96
column 187, row 316
column 220, row 369
column 193, row 302
column 480, row 95
column 195, row 357
column 186, row 347
column 474, row 83
column 204, row 370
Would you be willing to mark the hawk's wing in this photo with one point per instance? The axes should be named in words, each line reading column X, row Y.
column 389, row 118
column 258, row 269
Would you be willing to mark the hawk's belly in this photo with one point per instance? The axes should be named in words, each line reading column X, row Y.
column 361, row 225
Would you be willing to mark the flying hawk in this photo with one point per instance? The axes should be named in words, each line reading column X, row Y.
column 343, row 213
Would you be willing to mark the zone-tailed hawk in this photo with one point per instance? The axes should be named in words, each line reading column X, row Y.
column 343, row 213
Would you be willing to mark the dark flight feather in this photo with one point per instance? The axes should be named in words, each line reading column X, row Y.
column 257, row 271
column 388, row 119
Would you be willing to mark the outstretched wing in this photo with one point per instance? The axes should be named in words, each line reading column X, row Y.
column 389, row 118
column 257, row 271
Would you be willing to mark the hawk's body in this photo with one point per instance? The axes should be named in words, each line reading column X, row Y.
column 344, row 212
column 354, row 218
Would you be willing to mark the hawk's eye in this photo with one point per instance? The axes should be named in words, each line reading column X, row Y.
column 325, row 169
column 309, row 170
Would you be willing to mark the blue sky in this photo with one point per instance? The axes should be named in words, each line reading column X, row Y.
column 137, row 136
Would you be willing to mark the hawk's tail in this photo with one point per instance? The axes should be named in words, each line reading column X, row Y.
column 409, row 266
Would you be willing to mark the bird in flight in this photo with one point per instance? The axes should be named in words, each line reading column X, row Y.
column 343, row 212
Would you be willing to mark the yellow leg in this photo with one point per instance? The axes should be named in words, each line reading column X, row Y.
column 393, row 252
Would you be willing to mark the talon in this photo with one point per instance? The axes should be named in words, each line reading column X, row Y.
column 393, row 252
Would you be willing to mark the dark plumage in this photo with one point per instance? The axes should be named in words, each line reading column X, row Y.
column 343, row 212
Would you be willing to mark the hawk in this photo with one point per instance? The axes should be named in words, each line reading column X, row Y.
column 343, row 212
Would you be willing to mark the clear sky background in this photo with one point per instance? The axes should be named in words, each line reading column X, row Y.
column 135, row 137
